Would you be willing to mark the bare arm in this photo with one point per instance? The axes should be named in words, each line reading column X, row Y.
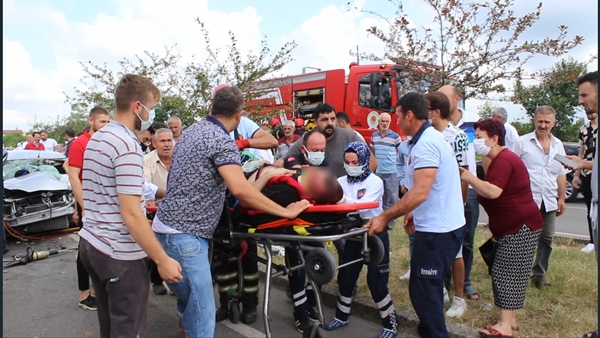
column 483, row 188
column 464, row 186
column 263, row 140
column 373, row 163
column 76, row 185
column 580, row 155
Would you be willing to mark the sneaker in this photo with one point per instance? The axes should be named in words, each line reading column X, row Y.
column 387, row 333
column 589, row 248
column 159, row 289
column 406, row 275
column 446, row 297
column 334, row 324
column 540, row 282
column 89, row 303
column 303, row 324
column 313, row 315
column 458, row 308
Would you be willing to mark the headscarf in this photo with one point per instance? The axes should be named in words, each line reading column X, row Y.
column 364, row 156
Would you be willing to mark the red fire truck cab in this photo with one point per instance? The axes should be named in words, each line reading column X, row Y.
column 365, row 93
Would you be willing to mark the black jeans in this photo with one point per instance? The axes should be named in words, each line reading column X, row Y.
column 586, row 189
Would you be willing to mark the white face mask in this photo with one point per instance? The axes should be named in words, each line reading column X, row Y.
column 151, row 115
column 315, row 158
column 354, row 171
column 480, row 147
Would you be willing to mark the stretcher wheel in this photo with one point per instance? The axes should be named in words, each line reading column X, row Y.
column 376, row 250
column 320, row 266
column 312, row 332
column 234, row 312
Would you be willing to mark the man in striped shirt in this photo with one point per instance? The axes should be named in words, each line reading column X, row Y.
column 116, row 238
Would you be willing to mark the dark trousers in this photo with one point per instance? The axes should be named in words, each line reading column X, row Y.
column 227, row 276
column 586, row 189
column 432, row 257
column 377, row 280
column 471, row 218
column 83, row 277
column 122, row 292
column 155, row 278
column 302, row 293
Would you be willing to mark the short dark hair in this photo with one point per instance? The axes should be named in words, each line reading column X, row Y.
column 98, row 111
column 343, row 116
column 70, row 132
column 308, row 134
column 227, row 102
column 133, row 88
column 492, row 127
column 36, row 132
column 439, row 101
column 589, row 77
column 322, row 108
column 156, row 126
column 416, row 103
column 43, row 131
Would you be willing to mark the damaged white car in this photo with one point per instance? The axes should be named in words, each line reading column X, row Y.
column 37, row 192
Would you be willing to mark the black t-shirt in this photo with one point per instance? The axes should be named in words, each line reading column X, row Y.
column 298, row 159
column 282, row 194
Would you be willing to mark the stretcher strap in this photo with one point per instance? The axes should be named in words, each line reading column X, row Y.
column 284, row 223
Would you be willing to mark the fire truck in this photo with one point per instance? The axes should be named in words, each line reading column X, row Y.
column 364, row 93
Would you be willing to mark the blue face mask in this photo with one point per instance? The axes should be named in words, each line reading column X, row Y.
column 354, row 171
column 315, row 158
column 151, row 115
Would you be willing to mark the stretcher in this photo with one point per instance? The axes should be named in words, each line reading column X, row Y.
column 316, row 225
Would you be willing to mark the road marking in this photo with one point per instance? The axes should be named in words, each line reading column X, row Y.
column 243, row 329
column 574, row 236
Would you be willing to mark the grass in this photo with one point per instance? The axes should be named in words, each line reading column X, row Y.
column 568, row 308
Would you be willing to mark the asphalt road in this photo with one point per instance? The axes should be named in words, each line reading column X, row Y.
column 40, row 300
column 571, row 224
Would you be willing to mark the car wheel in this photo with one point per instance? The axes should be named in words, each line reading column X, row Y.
column 570, row 193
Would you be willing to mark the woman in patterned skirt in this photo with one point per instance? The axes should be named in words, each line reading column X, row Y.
column 514, row 220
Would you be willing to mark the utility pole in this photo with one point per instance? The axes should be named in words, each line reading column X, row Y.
column 357, row 55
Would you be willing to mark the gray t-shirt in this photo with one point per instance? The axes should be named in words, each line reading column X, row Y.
column 334, row 153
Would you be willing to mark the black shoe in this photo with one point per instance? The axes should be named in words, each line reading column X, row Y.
column 159, row 289
column 303, row 324
column 249, row 315
column 540, row 282
column 89, row 303
column 313, row 315
column 222, row 313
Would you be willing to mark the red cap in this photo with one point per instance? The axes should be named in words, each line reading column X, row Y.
column 222, row 85
column 299, row 122
column 274, row 121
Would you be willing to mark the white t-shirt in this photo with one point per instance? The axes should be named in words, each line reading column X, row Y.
column 49, row 144
column 369, row 190
column 459, row 142
column 443, row 211
column 511, row 136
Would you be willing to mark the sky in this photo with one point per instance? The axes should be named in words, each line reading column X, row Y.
column 44, row 40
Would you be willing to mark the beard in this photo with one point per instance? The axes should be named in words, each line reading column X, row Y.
column 329, row 130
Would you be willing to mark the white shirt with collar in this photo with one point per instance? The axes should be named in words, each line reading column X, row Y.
column 511, row 136
column 369, row 190
column 543, row 169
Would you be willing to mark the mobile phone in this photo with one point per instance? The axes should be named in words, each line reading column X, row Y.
column 572, row 164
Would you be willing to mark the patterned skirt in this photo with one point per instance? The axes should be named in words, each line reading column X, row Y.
column 512, row 267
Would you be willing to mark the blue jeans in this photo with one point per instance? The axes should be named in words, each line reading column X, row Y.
column 195, row 298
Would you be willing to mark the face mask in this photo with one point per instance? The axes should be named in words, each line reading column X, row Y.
column 480, row 147
column 354, row 171
column 315, row 158
column 151, row 115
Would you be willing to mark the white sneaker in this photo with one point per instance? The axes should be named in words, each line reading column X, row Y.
column 458, row 308
column 405, row 275
column 446, row 297
column 589, row 248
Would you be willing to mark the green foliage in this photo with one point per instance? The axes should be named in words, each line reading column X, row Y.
column 471, row 44
column 523, row 126
column 485, row 110
column 77, row 120
column 557, row 88
column 11, row 140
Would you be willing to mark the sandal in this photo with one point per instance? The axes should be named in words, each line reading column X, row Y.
column 493, row 333
column 471, row 293
column 591, row 334
column 514, row 328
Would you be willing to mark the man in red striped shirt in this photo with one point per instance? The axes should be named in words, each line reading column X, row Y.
column 116, row 239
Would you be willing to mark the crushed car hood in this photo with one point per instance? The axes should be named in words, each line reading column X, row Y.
column 38, row 181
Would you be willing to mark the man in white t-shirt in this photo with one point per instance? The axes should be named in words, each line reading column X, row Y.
column 49, row 143
column 465, row 121
column 433, row 211
column 511, row 135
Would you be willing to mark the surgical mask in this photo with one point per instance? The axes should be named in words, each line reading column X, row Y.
column 354, row 171
column 151, row 115
column 480, row 147
column 315, row 158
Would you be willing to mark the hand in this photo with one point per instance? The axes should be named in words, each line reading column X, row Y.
column 403, row 189
column 170, row 270
column 561, row 207
column 575, row 182
column 376, row 225
column 464, row 173
column 75, row 217
column 150, row 203
column 576, row 159
column 409, row 225
column 294, row 209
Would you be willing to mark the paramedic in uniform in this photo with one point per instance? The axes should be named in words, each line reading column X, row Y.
column 432, row 208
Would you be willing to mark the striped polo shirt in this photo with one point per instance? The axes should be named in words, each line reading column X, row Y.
column 386, row 151
column 112, row 164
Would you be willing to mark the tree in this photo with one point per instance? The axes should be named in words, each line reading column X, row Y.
column 557, row 88
column 472, row 45
column 486, row 109
column 185, row 90
column 11, row 140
